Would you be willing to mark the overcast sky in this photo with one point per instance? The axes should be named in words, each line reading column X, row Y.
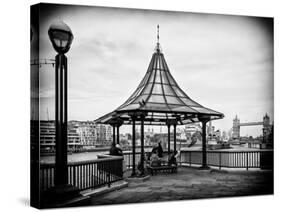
column 223, row 62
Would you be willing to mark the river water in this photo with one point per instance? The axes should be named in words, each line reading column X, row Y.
column 83, row 156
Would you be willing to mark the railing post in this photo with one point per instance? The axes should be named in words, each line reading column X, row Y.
column 74, row 175
column 108, row 179
column 180, row 162
column 247, row 158
column 220, row 160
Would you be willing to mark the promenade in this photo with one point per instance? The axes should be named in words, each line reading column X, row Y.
column 190, row 183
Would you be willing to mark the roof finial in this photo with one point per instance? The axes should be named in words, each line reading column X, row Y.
column 158, row 44
column 158, row 33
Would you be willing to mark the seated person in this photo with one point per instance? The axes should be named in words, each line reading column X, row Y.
column 113, row 150
column 173, row 158
column 154, row 149
column 148, row 155
column 154, row 160
column 160, row 150
column 119, row 151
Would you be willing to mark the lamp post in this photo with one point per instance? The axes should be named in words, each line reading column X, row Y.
column 61, row 37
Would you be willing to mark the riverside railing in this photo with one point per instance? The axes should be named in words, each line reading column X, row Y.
column 86, row 174
column 229, row 159
column 108, row 169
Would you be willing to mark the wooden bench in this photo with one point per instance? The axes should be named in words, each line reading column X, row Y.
column 163, row 168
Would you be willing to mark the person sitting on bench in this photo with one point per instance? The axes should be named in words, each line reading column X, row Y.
column 154, row 160
column 173, row 158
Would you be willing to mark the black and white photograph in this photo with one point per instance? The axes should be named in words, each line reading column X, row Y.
column 141, row 105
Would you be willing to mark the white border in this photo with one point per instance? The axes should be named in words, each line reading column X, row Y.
column 14, row 110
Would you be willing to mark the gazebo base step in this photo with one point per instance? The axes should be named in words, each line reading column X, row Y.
column 138, row 178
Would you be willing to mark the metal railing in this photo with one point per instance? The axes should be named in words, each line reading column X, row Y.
column 85, row 174
column 108, row 169
column 228, row 159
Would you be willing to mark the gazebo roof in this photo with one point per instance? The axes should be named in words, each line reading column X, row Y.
column 159, row 96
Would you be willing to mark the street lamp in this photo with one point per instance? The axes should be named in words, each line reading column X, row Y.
column 61, row 37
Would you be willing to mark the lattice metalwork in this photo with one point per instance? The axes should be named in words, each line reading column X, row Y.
column 159, row 96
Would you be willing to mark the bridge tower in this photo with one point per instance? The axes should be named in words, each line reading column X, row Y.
column 266, row 121
column 266, row 127
column 236, row 128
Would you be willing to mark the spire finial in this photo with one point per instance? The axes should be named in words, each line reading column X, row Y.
column 157, row 33
column 158, row 44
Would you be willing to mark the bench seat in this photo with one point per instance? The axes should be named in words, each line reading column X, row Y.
column 164, row 168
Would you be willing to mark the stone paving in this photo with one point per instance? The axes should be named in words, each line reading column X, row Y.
column 190, row 183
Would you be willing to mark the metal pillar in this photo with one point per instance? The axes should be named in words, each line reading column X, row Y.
column 113, row 134
column 118, row 134
column 61, row 172
column 142, row 145
column 175, row 137
column 134, row 146
column 204, row 146
column 169, row 139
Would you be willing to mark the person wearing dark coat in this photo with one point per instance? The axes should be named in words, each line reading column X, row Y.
column 119, row 150
column 160, row 150
column 113, row 150
column 154, row 149
column 173, row 159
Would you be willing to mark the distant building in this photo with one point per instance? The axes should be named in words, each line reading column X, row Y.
column 191, row 129
column 210, row 129
column 229, row 133
column 108, row 134
column 149, row 132
column 74, row 140
column 80, row 133
column 181, row 134
column 86, row 131
column 103, row 134
column 218, row 134
column 224, row 136
column 236, row 128
column 48, row 137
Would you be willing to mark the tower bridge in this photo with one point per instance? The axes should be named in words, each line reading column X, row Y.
column 250, row 124
column 237, row 125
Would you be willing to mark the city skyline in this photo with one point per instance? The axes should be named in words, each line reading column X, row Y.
column 231, row 57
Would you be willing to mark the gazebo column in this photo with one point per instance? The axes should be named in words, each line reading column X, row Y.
column 169, row 138
column 116, row 123
column 113, row 139
column 142, row 144
column 134, row 145
column 175, row 137
column 118, row 137
column 204, row 143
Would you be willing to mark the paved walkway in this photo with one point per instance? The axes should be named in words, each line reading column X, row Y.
column 190, row 183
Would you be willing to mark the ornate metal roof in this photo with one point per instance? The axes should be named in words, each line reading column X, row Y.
column 160, row 97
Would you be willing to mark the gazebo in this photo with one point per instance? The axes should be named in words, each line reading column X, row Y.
column 158, row 100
